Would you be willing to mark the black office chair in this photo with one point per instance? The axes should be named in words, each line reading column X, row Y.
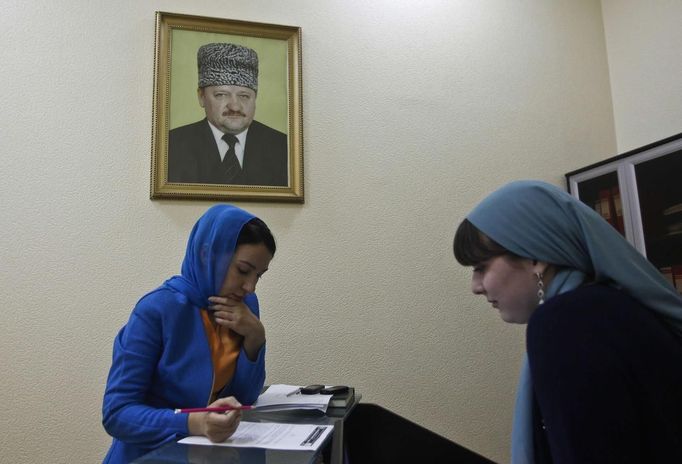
column 376, row 435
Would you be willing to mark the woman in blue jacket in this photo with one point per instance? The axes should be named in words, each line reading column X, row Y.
column 194, row 341
column 602, row 380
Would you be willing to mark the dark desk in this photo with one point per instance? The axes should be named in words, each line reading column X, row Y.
column 374, row 435
column 332, row 450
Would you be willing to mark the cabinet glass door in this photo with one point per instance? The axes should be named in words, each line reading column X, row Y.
column 659, row 190
column 640, row 194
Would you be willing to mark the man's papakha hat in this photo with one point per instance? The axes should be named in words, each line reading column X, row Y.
column 227, row 64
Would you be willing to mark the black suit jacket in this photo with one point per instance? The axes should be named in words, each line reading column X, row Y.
column 193, row 156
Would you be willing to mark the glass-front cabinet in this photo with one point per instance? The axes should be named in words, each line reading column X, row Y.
column 640, row 194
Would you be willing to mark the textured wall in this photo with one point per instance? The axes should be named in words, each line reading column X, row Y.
column 413, row 111
column 643, row 40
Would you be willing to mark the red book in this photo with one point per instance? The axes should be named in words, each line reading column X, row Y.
column 618, row 209
column 597, row 207
column 668, row 274
column 605, row 208
column 677, row 277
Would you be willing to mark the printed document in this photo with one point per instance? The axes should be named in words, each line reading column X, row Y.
column 271, row 435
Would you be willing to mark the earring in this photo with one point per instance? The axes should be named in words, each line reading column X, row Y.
column 541, row 288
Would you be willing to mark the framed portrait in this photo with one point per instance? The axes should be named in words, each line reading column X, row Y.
column 227, row 111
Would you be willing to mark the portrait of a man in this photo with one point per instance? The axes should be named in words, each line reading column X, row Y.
column 228, row 146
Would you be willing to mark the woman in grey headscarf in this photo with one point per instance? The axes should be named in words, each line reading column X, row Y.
column 602, row 381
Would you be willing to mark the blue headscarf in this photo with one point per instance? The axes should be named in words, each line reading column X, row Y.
column 209, row 252
column 537, row 220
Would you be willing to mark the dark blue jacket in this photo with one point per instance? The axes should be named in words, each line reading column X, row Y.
column 607, row 379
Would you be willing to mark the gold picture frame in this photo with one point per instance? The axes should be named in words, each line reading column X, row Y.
column 176, row 105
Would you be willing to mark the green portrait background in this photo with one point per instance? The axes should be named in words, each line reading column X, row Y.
column 271, row 102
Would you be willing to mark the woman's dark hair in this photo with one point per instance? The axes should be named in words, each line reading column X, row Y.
column 471, row 246
column 255, row 232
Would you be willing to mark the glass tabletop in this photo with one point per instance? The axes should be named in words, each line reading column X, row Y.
column 199, row 454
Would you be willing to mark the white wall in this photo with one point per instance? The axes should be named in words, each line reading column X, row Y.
column 644, row 40
column 413, row 111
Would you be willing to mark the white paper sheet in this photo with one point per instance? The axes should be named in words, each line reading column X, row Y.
column 271, row 436
column 275, row 399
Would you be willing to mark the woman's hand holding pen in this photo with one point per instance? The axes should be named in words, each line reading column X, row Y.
column 235, row 315
column 216, row 426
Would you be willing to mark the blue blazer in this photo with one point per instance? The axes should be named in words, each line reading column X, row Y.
column 162, row 361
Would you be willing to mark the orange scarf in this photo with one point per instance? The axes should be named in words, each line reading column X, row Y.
column 225, row 345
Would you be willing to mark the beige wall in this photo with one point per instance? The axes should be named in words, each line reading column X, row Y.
column 643, row 41
column 413, row 111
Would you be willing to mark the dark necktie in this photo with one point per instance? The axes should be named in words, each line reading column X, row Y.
column 232, row 169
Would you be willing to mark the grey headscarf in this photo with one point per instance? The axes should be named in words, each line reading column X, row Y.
column 539, row 221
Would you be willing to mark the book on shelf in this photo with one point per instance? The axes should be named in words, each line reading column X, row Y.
column 677, row 277
column 601, row 206
column 674, row 209
column 618, row 210
column 667, row 272
column 610, row 206
column 673, row 274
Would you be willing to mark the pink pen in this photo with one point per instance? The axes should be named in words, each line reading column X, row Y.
column 214, row 409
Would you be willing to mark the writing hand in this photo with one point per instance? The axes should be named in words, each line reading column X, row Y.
column 216, row 426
